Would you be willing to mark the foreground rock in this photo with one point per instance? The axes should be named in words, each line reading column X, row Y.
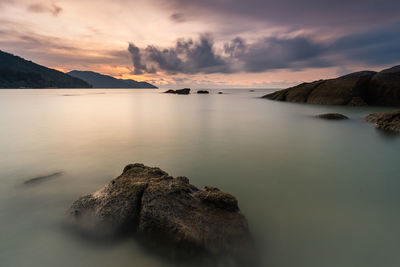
column 184, row 91
column 332, row 116
column 169, row 214
column 356, row 89
column 203, row 92
column 389, row 121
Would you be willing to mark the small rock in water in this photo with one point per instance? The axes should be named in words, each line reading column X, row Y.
column 184, row 91
column 203, row 92
column 332, row 116
column 389, row 121
column 43, row 178
column 169, row 215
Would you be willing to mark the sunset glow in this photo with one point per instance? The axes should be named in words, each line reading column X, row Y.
column 251, row 45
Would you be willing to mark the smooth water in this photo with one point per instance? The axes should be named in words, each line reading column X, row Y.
column 316, row 193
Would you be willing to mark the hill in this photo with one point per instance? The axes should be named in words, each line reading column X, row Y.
column 16, row 72
column 98, row 80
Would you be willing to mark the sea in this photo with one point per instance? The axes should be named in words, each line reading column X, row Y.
column 316, row 193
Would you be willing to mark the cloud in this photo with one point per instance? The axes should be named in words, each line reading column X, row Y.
column 299, row 13
column 5, row 2
column 187, row 56
column 191, row 57
column 277, row 53
column 377, row 47
column 137, row 59
column 380, row 46
column 178, row 17
column 51, row 8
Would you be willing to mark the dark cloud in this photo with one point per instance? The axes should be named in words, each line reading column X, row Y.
column 377, row 47
column 137, row 59
column 277, row 53
column 380, row 46
column 45, row 8
column 187, row 56
column 178, row 17
column 298, row 14
column 192, row 57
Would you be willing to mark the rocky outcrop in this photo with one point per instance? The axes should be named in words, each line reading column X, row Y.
column 389, row 121
column 184, row 91
column 169, row 214
column 332, row 116
column 384, row 89
column 356, row 89
column 203, row 92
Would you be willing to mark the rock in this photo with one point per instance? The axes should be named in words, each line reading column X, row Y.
column 203, row 92
column 389, row 121
column 43, row 178
column 220, row 93
column 384, row 89
column 184, row 91
column 168, row 214
column 332, row 116
column 251, row 91
column 356, row 89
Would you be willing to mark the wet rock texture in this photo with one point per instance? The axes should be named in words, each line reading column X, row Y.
column 389, row 121
column 365, row 88
column 171, row 214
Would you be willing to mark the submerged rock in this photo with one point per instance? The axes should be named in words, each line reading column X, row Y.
column 332, row 116
column 43, row 178
column 389, row 121
column 170, row 214
column 203, row 92
column 184, row 91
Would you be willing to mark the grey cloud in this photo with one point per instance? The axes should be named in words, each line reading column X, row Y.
column 276, row 53
column 178, row 17
column 377, row 47
column 380, row 46
column 186, row 57
column 192, row 57
column 297, row 14
column 136, row 59
column 51, row 8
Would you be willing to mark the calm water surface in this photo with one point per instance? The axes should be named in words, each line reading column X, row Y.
column 316, row 193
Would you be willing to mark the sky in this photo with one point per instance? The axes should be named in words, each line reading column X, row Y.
column 205, row 43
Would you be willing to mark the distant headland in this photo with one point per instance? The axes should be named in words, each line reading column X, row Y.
column 16, row 72
column 364, row 88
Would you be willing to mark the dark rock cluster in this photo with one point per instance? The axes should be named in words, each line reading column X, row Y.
column 389, row 121
column 184, row 91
